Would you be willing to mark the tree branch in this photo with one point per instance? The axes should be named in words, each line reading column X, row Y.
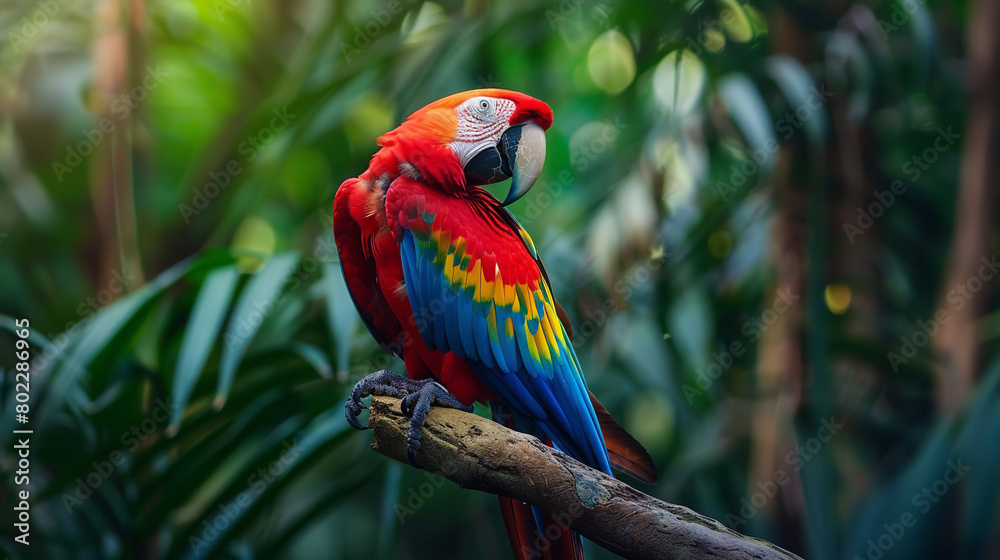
column 479, row 454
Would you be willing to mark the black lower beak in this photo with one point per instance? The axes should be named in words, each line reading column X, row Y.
column 519, row 155
column 487, row 167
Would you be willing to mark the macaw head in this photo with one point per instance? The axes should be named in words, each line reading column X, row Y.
column 473, row 138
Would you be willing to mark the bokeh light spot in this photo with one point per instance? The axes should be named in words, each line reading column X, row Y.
column 370, row 117
column 254, row 235
column 736, row 22
column 678, row 81
column 650, row 418
column 720, row 244
column 424, row 24
column 714, row 41
column 838, row 298
column 611, row 62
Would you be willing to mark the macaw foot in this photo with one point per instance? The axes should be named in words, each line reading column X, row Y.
column 416, row 396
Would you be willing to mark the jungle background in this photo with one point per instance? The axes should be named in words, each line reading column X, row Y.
column 772, row 225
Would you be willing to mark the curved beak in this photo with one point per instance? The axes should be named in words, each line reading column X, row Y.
column 524, row 148
column 518, row 155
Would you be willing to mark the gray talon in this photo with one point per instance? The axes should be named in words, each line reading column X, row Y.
column 416, row 398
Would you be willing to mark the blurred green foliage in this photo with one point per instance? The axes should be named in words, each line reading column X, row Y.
column 179, row 353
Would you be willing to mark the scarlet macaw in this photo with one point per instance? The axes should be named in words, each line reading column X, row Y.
column 445, row 278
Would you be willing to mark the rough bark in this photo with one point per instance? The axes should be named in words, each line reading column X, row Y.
column 479, row 454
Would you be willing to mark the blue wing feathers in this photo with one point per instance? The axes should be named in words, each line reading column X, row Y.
column 511, row 390
column 482, row 340
column 550, row 393
column 407, row 252
column 510, row 353
column 466, row 320
column 434, row 310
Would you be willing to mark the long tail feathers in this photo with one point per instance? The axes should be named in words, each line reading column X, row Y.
column 534, row 534
column 626, row 454
column 530, row 535
column 527, row 544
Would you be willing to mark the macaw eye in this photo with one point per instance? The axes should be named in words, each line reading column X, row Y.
column 484, row 107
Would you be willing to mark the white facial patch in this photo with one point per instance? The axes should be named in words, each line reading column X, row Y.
column 481, row 122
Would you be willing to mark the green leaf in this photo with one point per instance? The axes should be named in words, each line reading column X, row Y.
column 258, row 300
column 850, row 69
column 797, row 86
column 308, row 441
column 981, row 503
column 387, row 520
column 104, row 333
column 645, row 353
column 314, row 357
column 341, row 315
column 690, row 326
column 202, row 331
column 901, row 496
column 347, row 483
column 925, row 35
column 750, row 113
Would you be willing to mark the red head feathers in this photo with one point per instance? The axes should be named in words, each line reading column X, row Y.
column 471, row 138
